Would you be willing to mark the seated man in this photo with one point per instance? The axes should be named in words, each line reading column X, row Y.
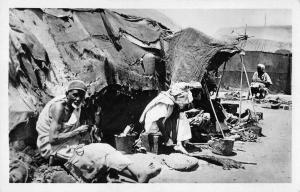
column 261, row 81
column 58, row 135
column 164, row 114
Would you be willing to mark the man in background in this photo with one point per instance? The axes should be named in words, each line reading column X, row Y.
column 261, row 82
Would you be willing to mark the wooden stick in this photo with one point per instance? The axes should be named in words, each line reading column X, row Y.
column 200, row 143
column 212, row 106
column 248, row 86
column 240, row 106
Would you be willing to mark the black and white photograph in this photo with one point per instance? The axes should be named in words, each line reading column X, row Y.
column 128, row 95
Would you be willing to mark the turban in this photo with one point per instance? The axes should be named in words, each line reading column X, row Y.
column 77, row 85
column 262, row 66
column 181, row 92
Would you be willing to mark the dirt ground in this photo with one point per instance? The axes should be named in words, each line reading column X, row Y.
column 272, row 154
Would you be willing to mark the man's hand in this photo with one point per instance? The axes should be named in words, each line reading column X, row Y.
column 94, row 134
column 81, row 129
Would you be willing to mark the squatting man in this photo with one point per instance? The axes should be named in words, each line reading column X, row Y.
column 261, row 82
column 59, row 136
column 164, row 115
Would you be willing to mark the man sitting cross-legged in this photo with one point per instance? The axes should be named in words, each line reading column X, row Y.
column 58, row 135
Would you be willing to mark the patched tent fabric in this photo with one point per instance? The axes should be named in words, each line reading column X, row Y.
column 50, row 47
column 28, row 69
column 191, row 53
column 104, row 48
column 125, row 60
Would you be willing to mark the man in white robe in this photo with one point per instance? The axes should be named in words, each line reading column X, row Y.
column 164, row 114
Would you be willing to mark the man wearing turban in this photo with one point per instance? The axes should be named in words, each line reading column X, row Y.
column 164, row 114
column 261, row 81
column 59, row 136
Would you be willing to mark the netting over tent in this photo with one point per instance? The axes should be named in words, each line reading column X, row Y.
column 191, row 53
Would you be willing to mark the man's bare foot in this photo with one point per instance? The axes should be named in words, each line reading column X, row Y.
column 180, row 148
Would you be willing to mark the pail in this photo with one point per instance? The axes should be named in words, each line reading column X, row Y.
column 275, row 106
column 223, row 146
column 124, row 144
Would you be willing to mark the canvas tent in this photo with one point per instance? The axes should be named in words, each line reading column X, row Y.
column 276, row 56
column 125, row 60
column 269, row 45
column 49, row 47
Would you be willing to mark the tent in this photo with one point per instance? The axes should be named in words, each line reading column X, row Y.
column 276, row 56
column 191, row 53
column 49, row 47
column 269, row 45
column 125, row 60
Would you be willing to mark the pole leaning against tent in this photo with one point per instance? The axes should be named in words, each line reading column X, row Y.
column 248, row 82
column 241, row 85
column 212, row 106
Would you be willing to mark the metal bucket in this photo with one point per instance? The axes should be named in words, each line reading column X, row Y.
column 223, row 146
column 124, row 144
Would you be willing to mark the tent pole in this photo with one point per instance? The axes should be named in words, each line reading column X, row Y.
column 248, row 82
column 240, row 106
column 212, row 106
